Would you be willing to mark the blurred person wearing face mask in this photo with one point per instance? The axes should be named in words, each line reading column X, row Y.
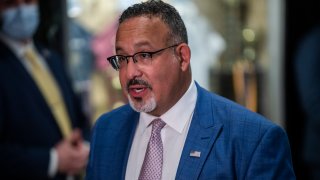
column 42, row 126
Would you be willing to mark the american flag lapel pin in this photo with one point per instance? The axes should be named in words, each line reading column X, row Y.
column 195, row 154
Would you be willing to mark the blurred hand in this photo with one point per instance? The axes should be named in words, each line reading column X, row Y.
column 72, row 154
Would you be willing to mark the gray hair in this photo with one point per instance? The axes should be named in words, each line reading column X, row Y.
column 167, row 13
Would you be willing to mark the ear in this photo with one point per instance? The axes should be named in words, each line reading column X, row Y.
column 184, row 55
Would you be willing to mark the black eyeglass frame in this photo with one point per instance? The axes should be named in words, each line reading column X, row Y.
column 114, row 60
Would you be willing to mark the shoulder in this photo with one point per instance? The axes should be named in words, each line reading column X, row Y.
column 243, row 128
column 114, row 118
column 309, row 44
column 5, row 53
column 233, row 116
column 313, row 35
column 114, row 125
column 46, row 52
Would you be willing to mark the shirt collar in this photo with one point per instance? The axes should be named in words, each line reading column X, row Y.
column 17, row 47
column 178, row 115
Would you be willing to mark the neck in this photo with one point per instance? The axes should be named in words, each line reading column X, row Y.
column 184, row 86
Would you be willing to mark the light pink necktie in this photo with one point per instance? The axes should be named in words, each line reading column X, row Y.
column 153, row 160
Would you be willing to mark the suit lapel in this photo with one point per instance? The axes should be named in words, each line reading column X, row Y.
column 203, row 131
column 131, row 127
column 22, row 78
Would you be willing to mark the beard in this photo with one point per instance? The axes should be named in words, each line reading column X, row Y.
column 141, row 105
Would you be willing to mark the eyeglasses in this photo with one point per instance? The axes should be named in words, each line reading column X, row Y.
column 141, row 58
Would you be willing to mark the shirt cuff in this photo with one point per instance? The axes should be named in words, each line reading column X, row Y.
column 53, row 163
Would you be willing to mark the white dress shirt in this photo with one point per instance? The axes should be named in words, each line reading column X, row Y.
column 173, row 135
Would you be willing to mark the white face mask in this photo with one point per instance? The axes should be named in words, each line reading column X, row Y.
column 20, row 22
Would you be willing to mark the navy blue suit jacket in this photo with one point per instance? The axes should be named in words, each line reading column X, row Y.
column 27, row 127
column 234, row 144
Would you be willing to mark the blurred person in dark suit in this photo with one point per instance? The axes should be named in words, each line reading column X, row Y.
column 307, row 71
column 42, row 126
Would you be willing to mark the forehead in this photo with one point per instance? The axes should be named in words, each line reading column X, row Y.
column 12, row 3
column 141, row 29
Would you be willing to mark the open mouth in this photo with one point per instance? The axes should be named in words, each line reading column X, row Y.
column 138, row 88
column 137, row 91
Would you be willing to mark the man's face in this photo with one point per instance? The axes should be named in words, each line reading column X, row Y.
column 158, row 85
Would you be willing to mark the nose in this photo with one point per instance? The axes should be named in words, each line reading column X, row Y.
column 132, row 69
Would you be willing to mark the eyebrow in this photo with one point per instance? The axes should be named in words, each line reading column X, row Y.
column 136, row 46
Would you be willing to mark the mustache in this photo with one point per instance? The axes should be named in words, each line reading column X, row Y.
column 138, row 82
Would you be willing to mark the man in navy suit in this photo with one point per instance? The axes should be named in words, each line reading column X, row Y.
column 205, row 136
column 32, row 144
